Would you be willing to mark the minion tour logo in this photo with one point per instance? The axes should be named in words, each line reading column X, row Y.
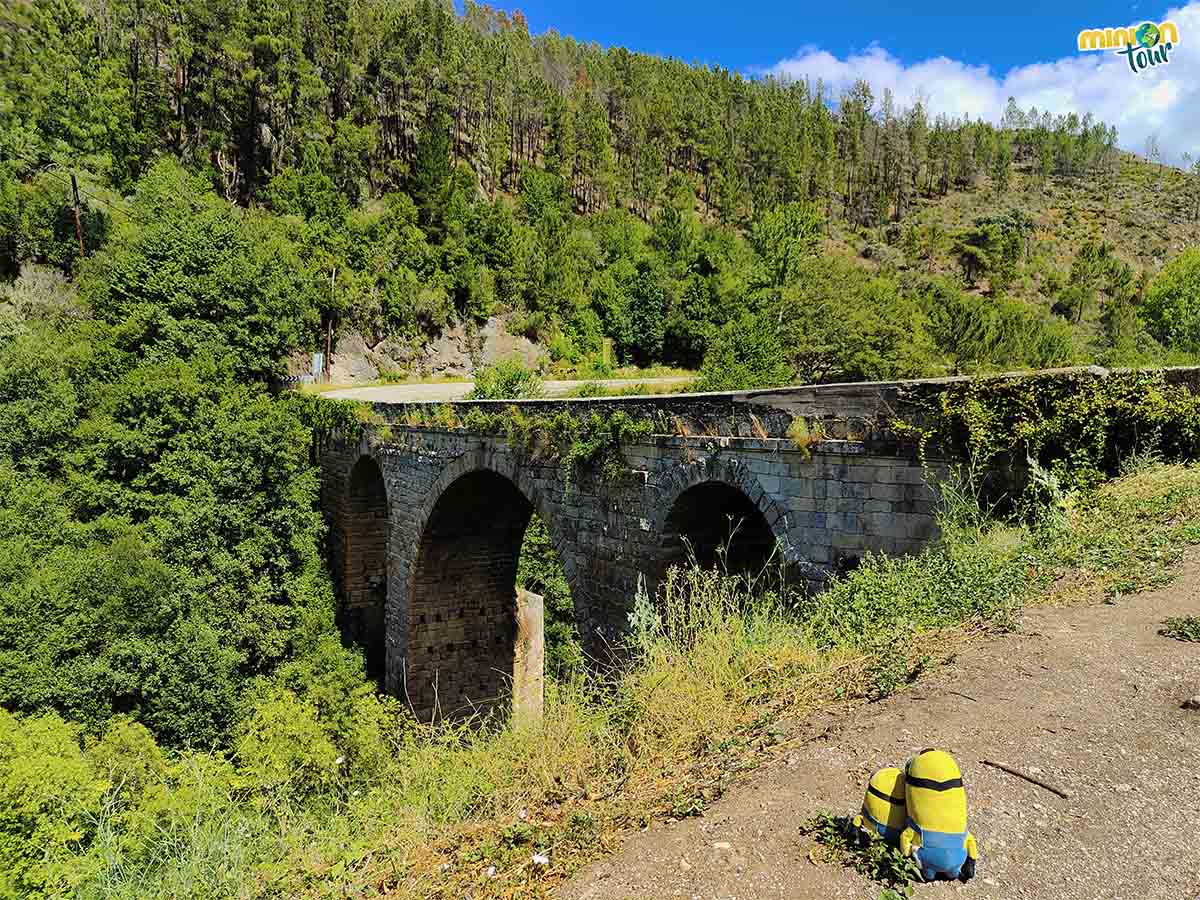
column 1143, row 46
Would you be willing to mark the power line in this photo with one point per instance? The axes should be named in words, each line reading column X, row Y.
column 67, row 183
column 46, row 170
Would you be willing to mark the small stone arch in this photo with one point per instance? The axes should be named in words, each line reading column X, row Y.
column 459, row 597
column 719, row 502
column 364, row 536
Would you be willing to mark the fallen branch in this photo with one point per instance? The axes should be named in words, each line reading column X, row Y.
column 1030, row 778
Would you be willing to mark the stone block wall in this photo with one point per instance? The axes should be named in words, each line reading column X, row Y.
column 458, row 504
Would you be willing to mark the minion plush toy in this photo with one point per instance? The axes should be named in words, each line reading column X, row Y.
column 936, row 835
column 883, row 809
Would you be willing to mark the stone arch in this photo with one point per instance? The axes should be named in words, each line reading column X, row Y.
column 717, row 502
column 461, row 587
column 364, row 564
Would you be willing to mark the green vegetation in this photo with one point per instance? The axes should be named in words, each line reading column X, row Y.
column 1083, row 429
column 506, row 380
column 540, row 570
column 1182, row 628
column 329, row 788
column 395, row 169
column 589, row 443
column 1173, row 303
column 874, row 859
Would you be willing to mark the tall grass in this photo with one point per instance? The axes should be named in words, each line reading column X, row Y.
column 719, row 665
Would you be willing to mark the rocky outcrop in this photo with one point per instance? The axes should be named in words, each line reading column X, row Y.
column 456, row 352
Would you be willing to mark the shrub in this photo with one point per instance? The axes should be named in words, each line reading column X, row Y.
column 1182, row 628
column 203, row 276
column 283, row 750
column 746, row 354
column 1172, row 304
column 506, row 380
column 49, row 798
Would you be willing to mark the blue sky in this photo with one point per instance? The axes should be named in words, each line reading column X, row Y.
column 963, row 58
column 758, row 35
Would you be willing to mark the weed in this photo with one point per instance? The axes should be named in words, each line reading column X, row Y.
column 869, row 855
column 1182, row 628
column 891, row 670
column 803, row 436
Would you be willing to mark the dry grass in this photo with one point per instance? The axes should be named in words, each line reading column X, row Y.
column 802, row 435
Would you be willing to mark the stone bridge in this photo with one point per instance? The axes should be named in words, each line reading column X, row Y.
column 426, row 522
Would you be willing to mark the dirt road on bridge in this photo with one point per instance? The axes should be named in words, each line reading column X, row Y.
column 1086, row 698
column 456, row 390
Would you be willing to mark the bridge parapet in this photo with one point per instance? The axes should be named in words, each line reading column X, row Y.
column 863, row 411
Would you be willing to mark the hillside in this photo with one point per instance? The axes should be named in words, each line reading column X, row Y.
column 180, row 715
column 427, row 174
column 1146, row 212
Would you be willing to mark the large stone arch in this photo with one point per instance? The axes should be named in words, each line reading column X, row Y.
column 692, row 511
column 363, row 542
column 456, row 608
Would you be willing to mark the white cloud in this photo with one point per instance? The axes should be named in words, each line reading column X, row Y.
column 1164, row 100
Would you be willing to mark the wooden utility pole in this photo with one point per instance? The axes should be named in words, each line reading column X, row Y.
column 78, row 224
column 327, row 363
column 328, row 345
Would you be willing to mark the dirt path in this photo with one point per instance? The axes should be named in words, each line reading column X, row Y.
column 1089, row 697
column 456, row 390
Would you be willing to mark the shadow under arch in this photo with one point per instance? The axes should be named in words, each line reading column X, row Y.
column 721, row 517
column 461, row 610
column 364, row 575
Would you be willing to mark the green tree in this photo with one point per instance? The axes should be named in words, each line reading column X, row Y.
column 647, row 316
column 431, row 171
column 784, row 238
column 745, row 354
column 1172, row 304
column 200, row 276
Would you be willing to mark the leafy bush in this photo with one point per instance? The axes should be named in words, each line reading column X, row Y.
column 202, row 276
column 839, row 323
column 873, row 857
column 183, row 556
column 744, row 355
column 1182, row 628
column 506, row 380
column 284, row 751
column 1172, row 304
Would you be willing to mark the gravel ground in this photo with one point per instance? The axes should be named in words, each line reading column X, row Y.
column 456, row 390
column 1086, row 698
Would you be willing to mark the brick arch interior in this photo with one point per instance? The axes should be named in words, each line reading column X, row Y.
column 365, row 566
column 462, row 593
column 716, row 521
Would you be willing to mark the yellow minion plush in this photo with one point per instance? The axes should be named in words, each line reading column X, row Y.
column 936, row 835
column 883, row 809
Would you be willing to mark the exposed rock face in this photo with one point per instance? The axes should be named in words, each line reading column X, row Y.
column 352, row 360
column 456, row 352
